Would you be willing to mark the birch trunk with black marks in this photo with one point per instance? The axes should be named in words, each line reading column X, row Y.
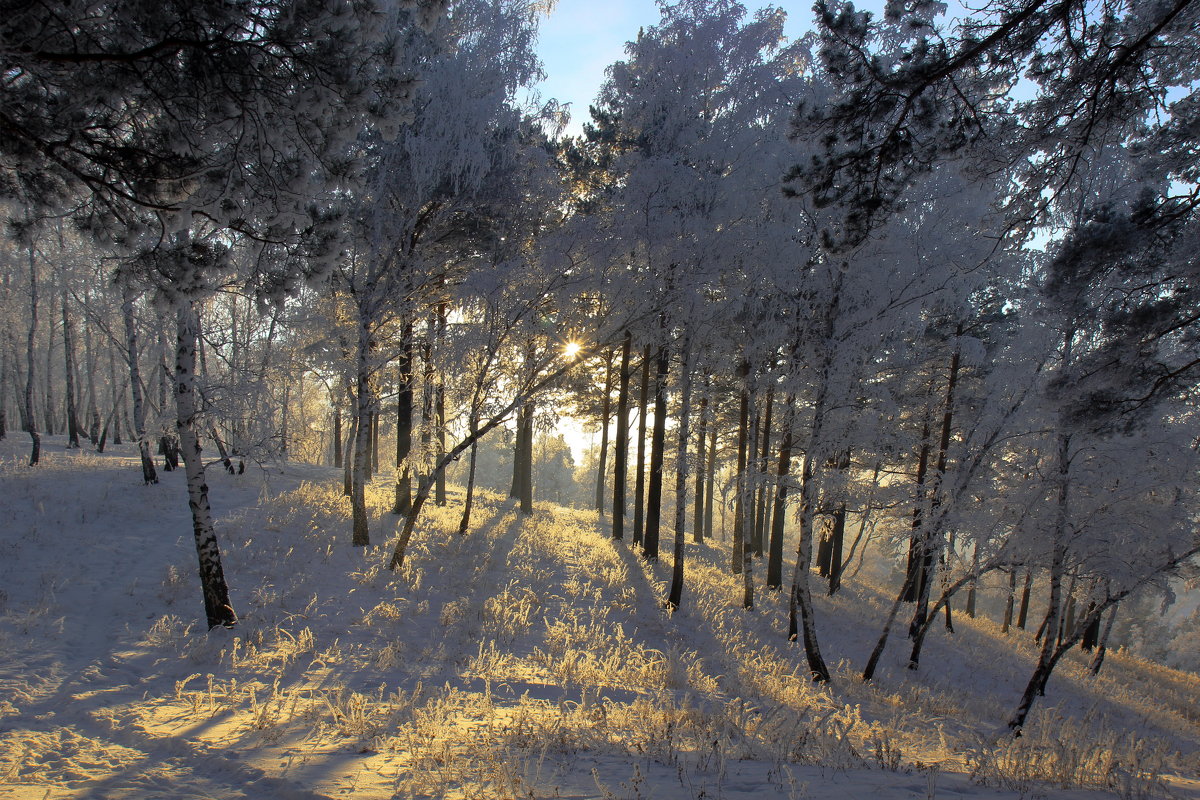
column 217, row 608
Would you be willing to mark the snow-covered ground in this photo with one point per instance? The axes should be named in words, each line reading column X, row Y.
column 531, row 658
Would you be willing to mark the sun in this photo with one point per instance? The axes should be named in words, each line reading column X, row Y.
column 571, row 349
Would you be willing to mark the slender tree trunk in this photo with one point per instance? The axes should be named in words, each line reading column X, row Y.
column 217, row 608
column 149, row 475
column 1050, row 652
column 931, row 540
column 69, row 374
column 712, row 482
column 741, row 479
column 364, row 408
column 1010, row 601
column 526, row 488
column 605, row 410
column 621, row 467
column 4, row 390
column 439, row 412
column 681, row 472
column 701, row 443
column 348, row 458
column 48, row 408
column 514, row 489
column 337, row 434
column 753, row 475
column 761, row 516
column 1102, row 643
column 775, row 546
column 465, row 522
column 404, row 424
column 93, row 409
column 657, row 447
column 35, row 438
column 1023, row 614
column 639, row 494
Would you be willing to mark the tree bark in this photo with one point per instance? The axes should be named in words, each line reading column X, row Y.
column 741, row 479
column 775, row 545
column 701, row 446
column 149, row 475
column 639, row 493
column 35, row 438
column 657, row 446
column 404, row 424
column 217, row 608
column 675, row 596
column 364, row 408
column 69, row 374
column 712, row 482
column 621, row 465
column 605, row 410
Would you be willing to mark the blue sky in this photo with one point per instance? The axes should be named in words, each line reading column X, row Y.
column 582, row 37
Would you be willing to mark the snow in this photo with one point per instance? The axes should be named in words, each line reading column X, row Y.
column 532, row 658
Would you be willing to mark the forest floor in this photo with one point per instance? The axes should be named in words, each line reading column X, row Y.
column 531, row 658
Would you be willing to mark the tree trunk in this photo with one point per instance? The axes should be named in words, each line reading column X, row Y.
column 149, row 475
column 741, row 479
column 1023, row 614
column 337, row 435
column 621, row 465
column 364, row 408
column 681, row 473
column 217, row 608
column 1050, row 651
column 439, row 412
column 657, row 446
column 93, row 408
column 605, row 410
column 712, row 482
column 775, row 546
column 639, row 492
column 404, row 424
column 69, row 374
column 1102, row 644
column 465, row 522
column 1010, row 602
column 48, row 408
column 701, row 445
column 35, row 438
column 761, row 515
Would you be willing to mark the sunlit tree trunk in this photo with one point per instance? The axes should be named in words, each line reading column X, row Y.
column 621, row 467
column 711, row 481
column 217, row 608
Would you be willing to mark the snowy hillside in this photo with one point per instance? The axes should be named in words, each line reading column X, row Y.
column 530, row 658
